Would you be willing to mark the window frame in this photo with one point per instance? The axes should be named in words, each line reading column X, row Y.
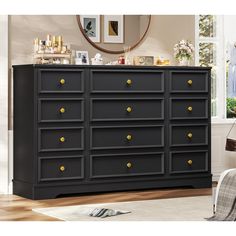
column 218, row 40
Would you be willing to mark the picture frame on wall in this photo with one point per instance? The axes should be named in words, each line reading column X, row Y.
column 91, row 26
column 81, row 58
column 113, row 28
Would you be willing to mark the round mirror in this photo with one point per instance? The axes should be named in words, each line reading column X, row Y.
column 114, row 33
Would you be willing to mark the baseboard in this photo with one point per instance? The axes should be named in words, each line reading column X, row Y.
column 215, row 177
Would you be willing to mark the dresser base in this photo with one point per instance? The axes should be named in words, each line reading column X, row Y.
column 49, row 192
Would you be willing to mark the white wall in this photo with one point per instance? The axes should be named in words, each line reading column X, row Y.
column 3, row 103
column 164, row 32
column 229, row 28
column 221, row 159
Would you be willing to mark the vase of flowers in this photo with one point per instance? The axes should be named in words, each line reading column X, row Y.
column 183, row 52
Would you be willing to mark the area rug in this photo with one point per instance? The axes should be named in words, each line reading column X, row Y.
column 172, row 209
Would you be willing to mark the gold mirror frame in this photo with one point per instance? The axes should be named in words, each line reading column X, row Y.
column 111, row 51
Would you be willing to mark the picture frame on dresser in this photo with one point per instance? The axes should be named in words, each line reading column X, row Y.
column 81, row 58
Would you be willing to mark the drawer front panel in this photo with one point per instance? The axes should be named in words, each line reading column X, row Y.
column 188, row 135
column 188, row 108
column 61, row 139
column 127, row 137
column 189, row 82
column 129, row 81
column 188, row 162
column 61, row 81
column 127, row 109
column 66, row 168
column 126, row 165
column 60, row 110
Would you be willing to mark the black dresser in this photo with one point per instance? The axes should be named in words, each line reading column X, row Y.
column 81, row 129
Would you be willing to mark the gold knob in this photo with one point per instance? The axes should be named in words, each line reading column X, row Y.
column 129, row 109
column 129, row 82
column 190, row 135
column 190, row 109
column 62, row 168
column 190, row 162
column 129, row 137
column 62, row 110
column 62, row 139
column 190, row 82
column 129, row 165
column 62, row 81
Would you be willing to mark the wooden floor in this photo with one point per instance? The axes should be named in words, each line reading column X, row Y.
column 15, row 208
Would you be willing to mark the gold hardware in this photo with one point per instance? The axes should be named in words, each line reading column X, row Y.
column 129, row 165
column 62, row 81
column 190, row 162
column 129, row 109
column 129, row 137
column 190, row 82
column 190, row 109
column 62, row 110
column 190, row 135
column 129, row 82
column 62, row 168
column 62, row 139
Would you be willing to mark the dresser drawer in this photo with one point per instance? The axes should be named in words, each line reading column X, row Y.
column 189, row 82
column 60, row 110
column 61, row 81
column 188, row 108
column 120, row 165
column 188, row 162
column 127, row 109
column 127, row 81
column 127, row 137
column 63, row 168
column 61, row 139
column 188, row 135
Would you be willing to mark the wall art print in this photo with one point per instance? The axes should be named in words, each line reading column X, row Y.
column 113, row 29
column 91, row 26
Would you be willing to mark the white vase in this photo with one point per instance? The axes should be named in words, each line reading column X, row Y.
column 184, row 61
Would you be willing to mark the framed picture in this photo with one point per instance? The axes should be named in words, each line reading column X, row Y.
column 143, row 60
column 81, row 58
column 113, row 28
column 91, row 26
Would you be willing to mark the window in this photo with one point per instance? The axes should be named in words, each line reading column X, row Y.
column 230, row 65
column 209, row 52
column 207, row 40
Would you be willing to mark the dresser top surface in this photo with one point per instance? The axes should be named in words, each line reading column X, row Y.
column 113, row 67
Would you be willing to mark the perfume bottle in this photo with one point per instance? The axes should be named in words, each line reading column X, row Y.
column 64, row 49
column 48, row 41
column 36, row 45
column 59, row 44
column 42, row 44
column 121, row 60
column 54, row 44
column 48, row 48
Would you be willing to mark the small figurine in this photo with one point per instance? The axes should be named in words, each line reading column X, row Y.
column 97, row 60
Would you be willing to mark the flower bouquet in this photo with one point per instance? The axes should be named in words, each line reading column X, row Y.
column 183, row 52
